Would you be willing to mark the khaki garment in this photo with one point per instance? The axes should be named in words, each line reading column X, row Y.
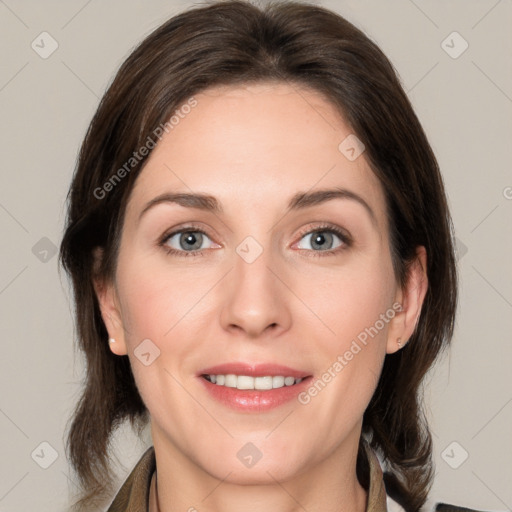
column 134, row 493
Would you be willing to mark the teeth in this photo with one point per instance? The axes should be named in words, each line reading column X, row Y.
column 247, row 382
column 277, row 381
column 289, row 381
column 230, row 381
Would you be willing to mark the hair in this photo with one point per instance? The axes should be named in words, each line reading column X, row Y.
column 236, row 42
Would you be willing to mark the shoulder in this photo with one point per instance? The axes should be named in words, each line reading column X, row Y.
column 393, row 506
column 446, row 507
column 134, row 493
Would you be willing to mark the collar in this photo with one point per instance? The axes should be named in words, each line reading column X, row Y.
column 134, row 493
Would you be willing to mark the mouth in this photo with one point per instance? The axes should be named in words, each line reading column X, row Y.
column 253, row 388
column 247, row 382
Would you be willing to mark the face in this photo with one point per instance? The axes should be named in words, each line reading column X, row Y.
column 281, row 279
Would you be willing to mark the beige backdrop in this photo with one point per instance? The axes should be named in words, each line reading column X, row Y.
column 462, row 95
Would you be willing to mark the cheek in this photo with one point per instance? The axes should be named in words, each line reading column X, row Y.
column 156, row 296
column 348, row 300
column 355, row 309
column 164, row 311
column 155, row 305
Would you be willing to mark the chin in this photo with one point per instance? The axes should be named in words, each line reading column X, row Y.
column 260, row 474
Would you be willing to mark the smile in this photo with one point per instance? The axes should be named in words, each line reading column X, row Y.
column 243, row 382
column 243, row 393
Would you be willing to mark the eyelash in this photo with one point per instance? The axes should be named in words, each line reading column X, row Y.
column 192, row 228
column 345, row 239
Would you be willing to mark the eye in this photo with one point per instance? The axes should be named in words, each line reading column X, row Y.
column 186, row 242
column 191, row 241
column 324, row 239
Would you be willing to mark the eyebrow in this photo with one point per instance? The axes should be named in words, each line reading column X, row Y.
column 299, row 201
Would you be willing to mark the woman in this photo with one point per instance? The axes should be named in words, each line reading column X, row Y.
column 263, row 267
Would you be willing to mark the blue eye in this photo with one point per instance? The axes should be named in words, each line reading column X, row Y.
column 322, row 240
column 186, row 242
column 192, row 241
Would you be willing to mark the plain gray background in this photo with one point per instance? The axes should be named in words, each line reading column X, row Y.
column 464, row 100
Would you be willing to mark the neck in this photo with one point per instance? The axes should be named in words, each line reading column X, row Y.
column 180, row 485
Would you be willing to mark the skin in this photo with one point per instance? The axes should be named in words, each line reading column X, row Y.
column 253, row 147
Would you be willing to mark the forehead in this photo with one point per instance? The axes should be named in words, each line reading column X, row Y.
column 256, row 144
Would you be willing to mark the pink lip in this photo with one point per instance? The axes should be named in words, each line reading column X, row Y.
column 254, row 400
column 253, row 370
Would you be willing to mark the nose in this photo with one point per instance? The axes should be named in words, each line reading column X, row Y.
column 255, row 299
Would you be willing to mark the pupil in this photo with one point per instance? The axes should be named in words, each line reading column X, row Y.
column 191, row 239
column 319, row 240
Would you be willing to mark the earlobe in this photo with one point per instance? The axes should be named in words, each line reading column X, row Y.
column 116, row 348
column 110, row 310
column 411, row 298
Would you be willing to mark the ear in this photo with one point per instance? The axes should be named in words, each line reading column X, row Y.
column 109, row 307
column 411, row 299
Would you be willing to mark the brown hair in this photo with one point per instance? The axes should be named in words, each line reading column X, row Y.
column 230, row 42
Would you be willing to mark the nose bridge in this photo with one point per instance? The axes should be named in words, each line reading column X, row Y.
column 254, row 299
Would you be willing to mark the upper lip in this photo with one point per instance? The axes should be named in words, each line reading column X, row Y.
column 253, row 370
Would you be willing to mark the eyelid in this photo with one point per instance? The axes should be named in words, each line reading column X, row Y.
column 183, row 228
column 342, row 234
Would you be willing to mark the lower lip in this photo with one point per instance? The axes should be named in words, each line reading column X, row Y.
column 254, row 400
